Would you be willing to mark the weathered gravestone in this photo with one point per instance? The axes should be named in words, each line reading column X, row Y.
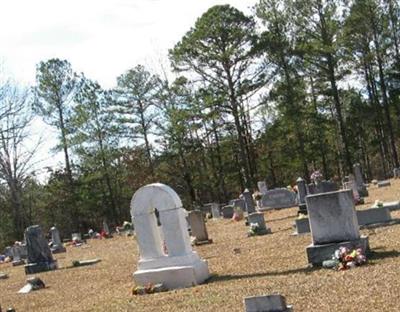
column 238, row 203
column 333, row 223
column 248, row 200
column 39, row 254
column 301, row 195
column 262, row 187
column 198, row 227
column 106, row 228
column 351, row 185
column 362, row 190
column 57, row 245
column 302, row 226
column 171, row 262
column 227, row 211
column 215, row 212
column 278, row 198
column 396, row 173
column 322, row 187
column 258, row 218
column 270, row 303
column 16, row 251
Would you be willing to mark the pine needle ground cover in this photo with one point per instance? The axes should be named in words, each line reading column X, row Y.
column 240, row 266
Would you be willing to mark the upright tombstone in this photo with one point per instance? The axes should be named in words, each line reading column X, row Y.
column 277, row 199
column 215, row 212
column 227, row 211
column 198, row 227
column 262, row 187
column 57, row 245
column 248, row 199
column 333, row 223
column 301, row 195
column 258, row 218
column 351, row 185
column 238, row 203
column 40, row 258
column 16, row 252
column 362, row 190
column 106, row 229
column 171, row 262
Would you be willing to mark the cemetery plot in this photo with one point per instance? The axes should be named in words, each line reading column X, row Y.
column 240, row 267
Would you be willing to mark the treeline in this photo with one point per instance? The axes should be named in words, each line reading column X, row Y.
column 298, row 86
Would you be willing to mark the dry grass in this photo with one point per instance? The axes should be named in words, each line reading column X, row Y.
column 266, row 264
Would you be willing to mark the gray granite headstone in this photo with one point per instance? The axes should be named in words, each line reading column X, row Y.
column 106, row 229
column 332, row 217
column 278, row 198
column 248, row 199
column 262, row 187
column 323, row 187
column 215, row 210
column 227, row 212
column 238, row 203
column 362, row 190
column 198, row 226
column 57, row 245
column 270, row 303
column 258, row 218
column 39, row 253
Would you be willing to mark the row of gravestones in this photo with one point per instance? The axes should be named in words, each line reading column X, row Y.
column 166, row 255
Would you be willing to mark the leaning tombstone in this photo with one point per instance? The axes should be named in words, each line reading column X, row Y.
column 56, row 246
column 269, row 303
column 248, row 199
column 333, row 223
column 171, row 261
column 198, row 227
column 39, row 253
column 362, row 190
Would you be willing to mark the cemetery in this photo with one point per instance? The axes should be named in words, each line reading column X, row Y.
column 234, row 273
column 200, row 156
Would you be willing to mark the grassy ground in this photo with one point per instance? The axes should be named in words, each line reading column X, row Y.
column 267, row 264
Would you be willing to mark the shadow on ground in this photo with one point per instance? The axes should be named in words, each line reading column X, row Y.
column 221, row 278
column 378, row 255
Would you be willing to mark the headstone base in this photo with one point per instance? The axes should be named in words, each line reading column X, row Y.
column 395, row 205
column 18, row 262
column 175, row 276
column 58, row 250
column 203, row 242
column 316, row 254
column 33, row 268
column 373, row 215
